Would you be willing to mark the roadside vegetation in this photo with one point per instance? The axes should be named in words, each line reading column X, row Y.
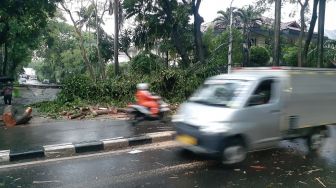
column 164, row 47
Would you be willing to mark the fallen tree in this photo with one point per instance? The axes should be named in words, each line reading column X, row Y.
column 9, row 118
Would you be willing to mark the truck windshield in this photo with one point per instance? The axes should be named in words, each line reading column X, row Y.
column 220, row 93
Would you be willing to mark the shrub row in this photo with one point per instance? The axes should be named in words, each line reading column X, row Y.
column 173, row 84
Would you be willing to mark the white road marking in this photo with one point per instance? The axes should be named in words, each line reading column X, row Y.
column 148, row 147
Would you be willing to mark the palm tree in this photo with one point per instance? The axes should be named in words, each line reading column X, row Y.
column 243, row 18
column 247, row 17
column 223, row 20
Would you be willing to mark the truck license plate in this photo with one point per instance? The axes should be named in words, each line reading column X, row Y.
column 186, row 139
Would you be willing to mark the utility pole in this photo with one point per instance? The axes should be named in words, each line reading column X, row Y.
column 230, row 41
column 276, row 60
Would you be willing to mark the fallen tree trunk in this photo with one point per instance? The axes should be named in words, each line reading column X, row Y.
column 10, row 120
column 76, row 115
column 25, row 117
column 100, row 112
column 8, row 117
column 123, row 110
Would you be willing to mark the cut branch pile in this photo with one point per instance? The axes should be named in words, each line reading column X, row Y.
column 85, row 112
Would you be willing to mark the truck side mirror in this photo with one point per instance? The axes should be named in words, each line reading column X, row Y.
column 255, row 100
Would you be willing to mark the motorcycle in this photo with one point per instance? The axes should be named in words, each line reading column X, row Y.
column 138, row 113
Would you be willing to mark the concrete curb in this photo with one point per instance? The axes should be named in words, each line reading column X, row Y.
column 70, row 149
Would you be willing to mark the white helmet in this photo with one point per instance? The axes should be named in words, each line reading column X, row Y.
column 142, row 86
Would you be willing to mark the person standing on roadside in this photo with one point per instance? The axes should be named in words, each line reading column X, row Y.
column 7, row 91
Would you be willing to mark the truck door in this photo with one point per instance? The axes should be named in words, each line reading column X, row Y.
column 262, row 113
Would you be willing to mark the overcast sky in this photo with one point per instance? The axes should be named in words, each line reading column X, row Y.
column 209, row 10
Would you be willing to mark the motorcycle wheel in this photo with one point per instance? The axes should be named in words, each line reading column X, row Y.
column 163, row 117
column 133, row 118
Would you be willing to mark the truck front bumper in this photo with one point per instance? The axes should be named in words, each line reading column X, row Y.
column 193, row 139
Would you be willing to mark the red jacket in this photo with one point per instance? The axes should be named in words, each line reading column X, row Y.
column 143, row 96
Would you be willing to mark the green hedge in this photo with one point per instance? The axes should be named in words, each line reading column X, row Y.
column 173, row 84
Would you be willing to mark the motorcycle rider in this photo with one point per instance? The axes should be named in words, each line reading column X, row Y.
column 144, row 98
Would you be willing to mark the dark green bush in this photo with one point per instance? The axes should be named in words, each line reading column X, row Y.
column 259, row 56
column 146, row 63
column 290, row 56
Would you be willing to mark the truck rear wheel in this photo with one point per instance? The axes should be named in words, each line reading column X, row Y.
column 234, row 152
column 316, row 139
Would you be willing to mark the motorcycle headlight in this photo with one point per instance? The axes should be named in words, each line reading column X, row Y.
column 215, row 127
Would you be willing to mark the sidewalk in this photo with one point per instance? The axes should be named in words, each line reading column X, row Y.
column 28, row 138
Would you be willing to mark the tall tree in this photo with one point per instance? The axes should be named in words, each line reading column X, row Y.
column 98, row 21
column 175, row 34
column 21, row 23
column 223, row 20
column 78, row 25
column 320, row 40
column 303, row 9
column 248, row 16
column 162, row 20
column 125, row 41
column 198, row 20
column 276, row 60
column 116, row 5
column 310, row 31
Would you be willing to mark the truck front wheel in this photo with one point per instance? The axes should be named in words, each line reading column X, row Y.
column 233, row 152
column 316, row 139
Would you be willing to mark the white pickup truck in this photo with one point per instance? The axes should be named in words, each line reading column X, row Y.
column 255, row 108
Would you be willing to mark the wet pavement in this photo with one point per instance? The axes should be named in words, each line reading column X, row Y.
column 159, row 165
column 23, row 137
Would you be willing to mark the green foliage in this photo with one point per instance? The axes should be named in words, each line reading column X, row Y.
column 163, row 25
column 259, row 56
column 173, row 84
column 60, row 54
column 290, row 56
column 218, row 44
column 146, row 63
column 21, row 25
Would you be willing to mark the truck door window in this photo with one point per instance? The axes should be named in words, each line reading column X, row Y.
column 263, row 93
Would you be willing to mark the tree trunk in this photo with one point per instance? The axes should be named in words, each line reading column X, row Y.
column 81, row 44
column 167, row 58
column 127, row 54
column 310, row 31
column 198, row 20
column 248, row 46
column 302, row 12
column 27, row 115
column 276, row 60
column 320, row 40
column 100, row 62
column 2, row 56
column 116, row 37
column 8, row 116
column 5, row 62
column 175, row 35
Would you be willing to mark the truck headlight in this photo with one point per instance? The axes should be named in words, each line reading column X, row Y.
column 215, row 127
column 177, row 118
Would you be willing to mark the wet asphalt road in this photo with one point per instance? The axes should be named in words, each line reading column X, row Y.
column 22, row 138
column 164, row 165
